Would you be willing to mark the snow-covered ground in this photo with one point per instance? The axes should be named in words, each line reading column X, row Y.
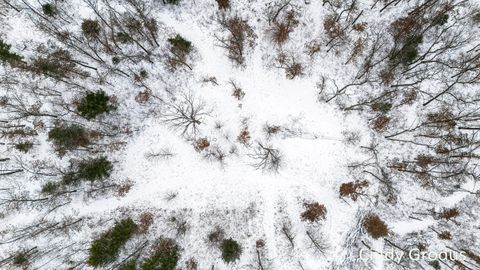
column 322, row 127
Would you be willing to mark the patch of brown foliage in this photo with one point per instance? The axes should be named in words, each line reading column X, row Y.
column 449, row 214
column 201, row 144
column 387, row 76
column 352, row 189
column 424, row 161
column 357, row 48
column 240, row 36
column 259, row 244
column 380, row 123
column 146, row 220
column 314, row 212
column 359, row 27
column 124, row 188
column 289, row 63
column 472, row 256
column 409, row 97
column 143, row 96
column 442, row 119
column 281, row 30
column 445, row 235
column 244, row 136
column 223, row 4
column 332, row 27
column 375, row 227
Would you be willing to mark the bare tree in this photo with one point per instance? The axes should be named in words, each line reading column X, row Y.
column 185, row 114
column 266, row 158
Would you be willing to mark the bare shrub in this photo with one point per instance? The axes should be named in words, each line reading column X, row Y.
column 282, row 28
column 216, row 236
column 123, row 188
column 191, row 264
column 244, row 136
column 271, row 130
column 143, row 96
column 351, row 137
column 180, row 225
column 314, row 212
column 266, row 158
column 313, row 47
column 289, row 63
column 375, row 227
column 240, row 36
column 357, row 49
column 238, row 93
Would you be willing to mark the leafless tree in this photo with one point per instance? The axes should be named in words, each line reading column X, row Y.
column 185, row 114
column 266, row 158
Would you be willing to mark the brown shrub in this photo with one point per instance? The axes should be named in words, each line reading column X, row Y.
column 293, row 70
column 281, row 29
column 421, row 247
column 409, row 97
column 143, row 96
column 314, row 212
column 216, row 236
column 404, row 27
column 223, row 4
column 244, row 136
column 238, row 93
column 291, row 66
column 123, row 188
column 380, row 123
column 442, row 119
column 146, row 220
column 397, row 164
column 445, row 235
column 165, row 245
column 375, row 227
column 424, row 161
column 313, row 47
column 357, row 49
column 259, row 244
column 201, row 144
column 352, row 189
column 191, row 264
column 332, row 27
column 442, row 150
column 387, row 76
column 472, row 256
column 449, row 213
column 359, row 27
column 240, row 36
